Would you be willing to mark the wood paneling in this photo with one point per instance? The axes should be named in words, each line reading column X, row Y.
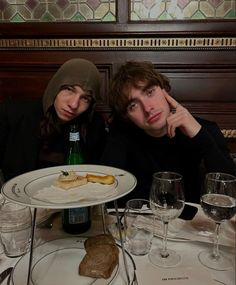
column 203, row 77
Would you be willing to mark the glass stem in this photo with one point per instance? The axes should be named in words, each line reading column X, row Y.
column 215, row 253
column 164, row 252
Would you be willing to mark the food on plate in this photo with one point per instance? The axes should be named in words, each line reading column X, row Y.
column 101, row 257
column 105, row 179
column 100, row 261
column 69, row 179
column 99, row 240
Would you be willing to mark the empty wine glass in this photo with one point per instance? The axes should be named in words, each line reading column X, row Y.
column 218, row 202
column 167, row 203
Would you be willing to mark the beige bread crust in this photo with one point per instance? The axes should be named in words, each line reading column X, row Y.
column 99, row 240
column 106, row 179
column 99, row 261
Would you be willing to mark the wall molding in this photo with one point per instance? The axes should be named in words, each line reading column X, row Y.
column 136, row 43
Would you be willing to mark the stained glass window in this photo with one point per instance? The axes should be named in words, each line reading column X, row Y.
column 58, row 10
column 159, row 10
column 105, row 10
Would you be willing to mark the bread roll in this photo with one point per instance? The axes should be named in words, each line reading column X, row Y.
column 106, row 179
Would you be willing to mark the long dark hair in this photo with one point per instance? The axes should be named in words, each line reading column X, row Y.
column 50, row 124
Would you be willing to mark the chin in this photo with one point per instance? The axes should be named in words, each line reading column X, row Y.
column 64, row 120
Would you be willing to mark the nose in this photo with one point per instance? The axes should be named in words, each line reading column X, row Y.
column 147, row 107
column 74, row 102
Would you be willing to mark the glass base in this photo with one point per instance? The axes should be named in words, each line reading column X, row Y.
column 222, row 263
column 172, row 260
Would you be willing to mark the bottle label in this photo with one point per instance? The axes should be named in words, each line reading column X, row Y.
column 78, row 215
column 74, row 137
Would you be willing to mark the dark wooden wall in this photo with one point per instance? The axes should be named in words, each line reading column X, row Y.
column 198, row 57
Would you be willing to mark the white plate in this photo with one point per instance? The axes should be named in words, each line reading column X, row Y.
column 34, row 189
column 57, row 262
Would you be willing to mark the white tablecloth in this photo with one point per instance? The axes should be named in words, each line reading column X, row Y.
column 190, row 271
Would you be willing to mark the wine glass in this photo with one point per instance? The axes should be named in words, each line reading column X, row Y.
column 218, row 202
column 167, row 203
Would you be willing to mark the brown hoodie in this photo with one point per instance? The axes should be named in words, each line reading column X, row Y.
column 76, row 71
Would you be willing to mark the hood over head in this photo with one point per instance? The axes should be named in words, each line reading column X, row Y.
column 75, row 71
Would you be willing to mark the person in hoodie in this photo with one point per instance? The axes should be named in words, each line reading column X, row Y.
column 152, row 132
column 34, row 133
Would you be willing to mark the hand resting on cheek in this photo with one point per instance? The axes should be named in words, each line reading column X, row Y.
column 180, row 118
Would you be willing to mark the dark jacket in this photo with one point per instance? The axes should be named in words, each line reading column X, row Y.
column 21, row 143
column 130, row 148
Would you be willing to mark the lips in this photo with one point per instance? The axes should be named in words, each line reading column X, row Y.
column 154, row 118
column 68, row 114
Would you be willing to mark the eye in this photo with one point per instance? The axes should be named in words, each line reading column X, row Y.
column 132, row 106
column 87, row 98
column 150, row 92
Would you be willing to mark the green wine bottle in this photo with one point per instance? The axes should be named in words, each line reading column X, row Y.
column 75, row 154
column 75, row 220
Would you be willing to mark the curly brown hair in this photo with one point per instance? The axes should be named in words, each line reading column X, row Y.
column 129, row 75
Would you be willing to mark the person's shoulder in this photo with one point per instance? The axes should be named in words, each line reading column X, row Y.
column 206, row 123
column 209, row 127
column 97, row 116
column 97, row 119
column 122, row 124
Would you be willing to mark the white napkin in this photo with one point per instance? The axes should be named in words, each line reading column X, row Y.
column 88, row 192
column 198, row 229
column 156, row 226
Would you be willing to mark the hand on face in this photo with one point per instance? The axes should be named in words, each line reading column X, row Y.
column 180, row 118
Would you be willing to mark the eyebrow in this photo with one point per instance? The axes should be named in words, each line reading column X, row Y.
column 89, row 94
column 130, row 101
column 149, row 86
